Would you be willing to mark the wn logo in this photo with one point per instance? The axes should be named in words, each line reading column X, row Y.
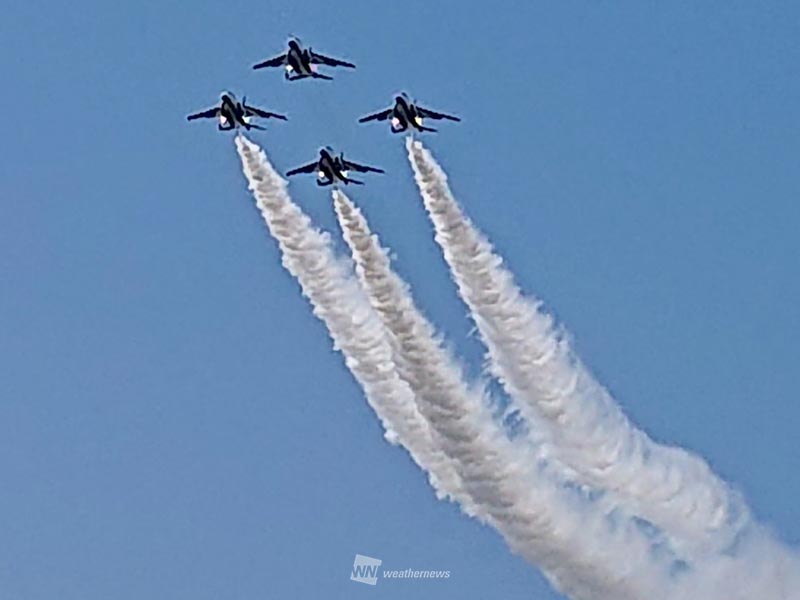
column 365, row 569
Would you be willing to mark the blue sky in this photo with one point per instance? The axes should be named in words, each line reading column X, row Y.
column 173, row 420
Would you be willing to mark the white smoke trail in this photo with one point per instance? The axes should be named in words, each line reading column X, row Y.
column 339, row 302
column 541, row 521
column 571, row 542
column 673, row 489
column 731, row 557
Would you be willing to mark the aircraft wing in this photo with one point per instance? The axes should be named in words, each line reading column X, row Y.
column 251, row 110
column 378, row 116
column 309, row 168
column 432, row 114
column 271, row 62
column 360, row 168
column 206, row 114
column 320, row 59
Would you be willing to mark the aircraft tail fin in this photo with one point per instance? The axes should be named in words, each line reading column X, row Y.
column 315, row 75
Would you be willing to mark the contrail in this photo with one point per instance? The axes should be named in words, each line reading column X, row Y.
column 449, row 432
column 339, row 302
column 734, row 557
column 669, row 487
column 576, row 546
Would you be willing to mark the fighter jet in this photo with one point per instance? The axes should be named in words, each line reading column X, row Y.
column 406, row 113
column 232, row 113
column 301, row 63
column 333, row 169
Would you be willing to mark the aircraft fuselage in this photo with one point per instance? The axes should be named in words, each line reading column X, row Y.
column 404, row 115
column 230, row 113
column 298, row 62
column 330, row 169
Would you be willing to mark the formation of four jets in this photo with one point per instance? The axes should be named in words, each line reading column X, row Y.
column 302, row 63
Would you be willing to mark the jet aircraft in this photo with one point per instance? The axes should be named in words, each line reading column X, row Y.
column 301, row 63
column 333, row 169
column 233, row 113
column 405, row 114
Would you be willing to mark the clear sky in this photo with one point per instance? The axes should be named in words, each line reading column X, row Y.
column 174, row 422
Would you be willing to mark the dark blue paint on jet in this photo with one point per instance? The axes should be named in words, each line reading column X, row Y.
column 301, row 63
column 332, row 169
column 405, row 114
column 233, row 114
